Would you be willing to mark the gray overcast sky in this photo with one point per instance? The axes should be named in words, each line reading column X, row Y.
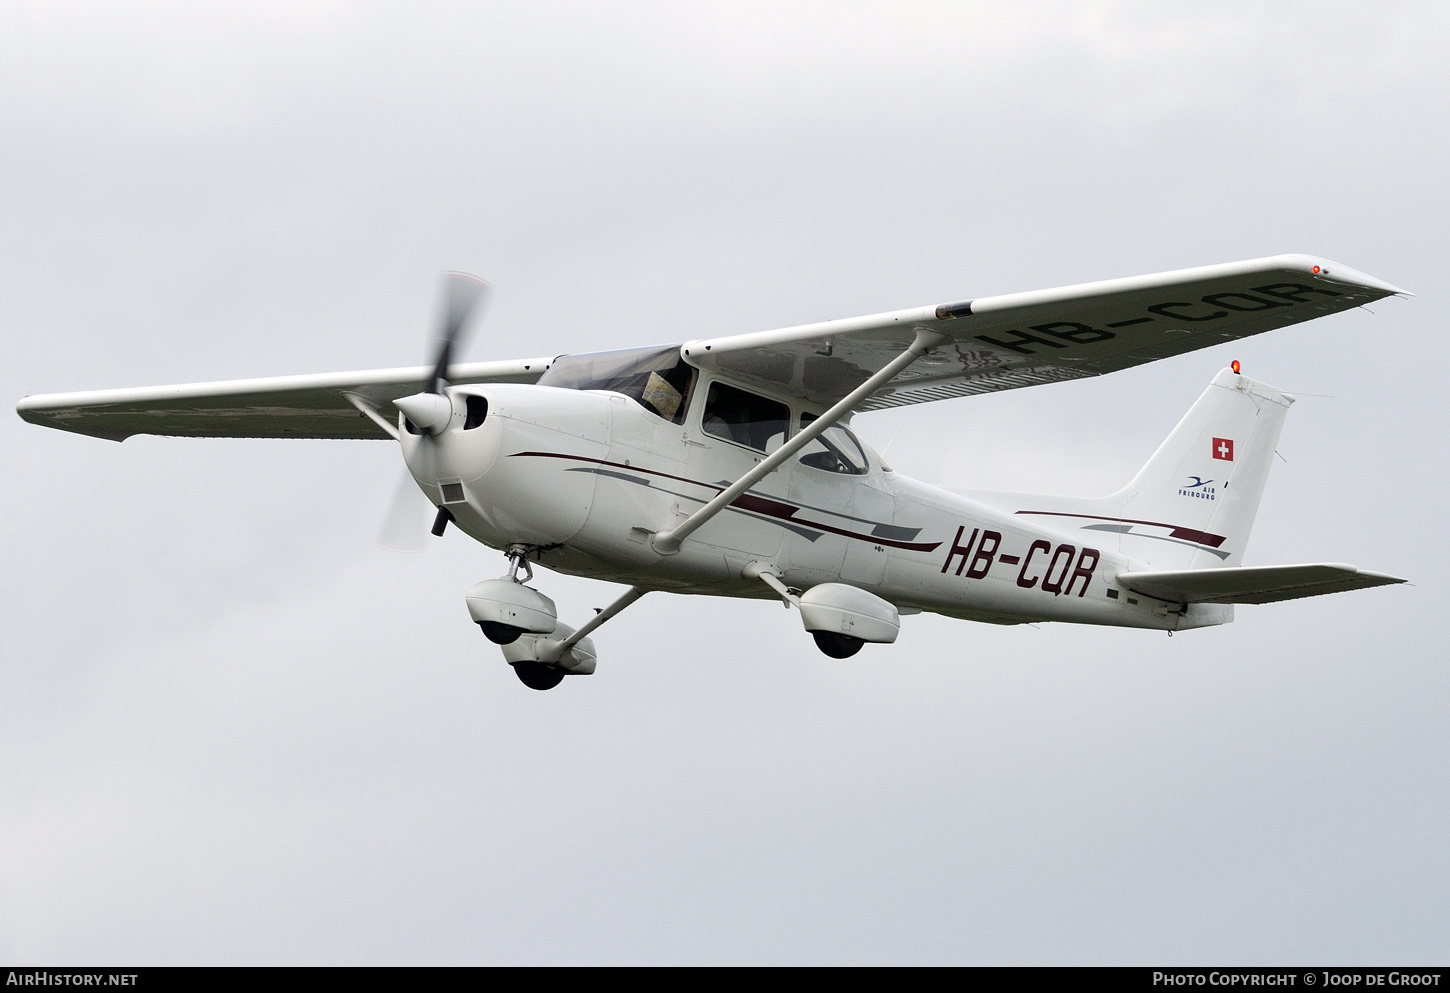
column 233, row 730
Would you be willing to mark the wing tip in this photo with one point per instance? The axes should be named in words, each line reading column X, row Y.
column 1335, row 272
column 1380, row 578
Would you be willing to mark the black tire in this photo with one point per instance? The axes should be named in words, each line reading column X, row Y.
column 500, row 634
column 837, row 646
column 537, row 675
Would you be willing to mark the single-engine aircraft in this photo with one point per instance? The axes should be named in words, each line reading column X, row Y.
column 728, row 466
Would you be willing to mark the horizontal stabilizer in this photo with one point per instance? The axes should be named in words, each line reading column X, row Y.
column 1260, row 584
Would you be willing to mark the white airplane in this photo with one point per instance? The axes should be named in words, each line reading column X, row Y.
column 727, row 466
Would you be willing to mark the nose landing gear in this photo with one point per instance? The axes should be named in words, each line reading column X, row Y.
column 499, row 632
column 837, row 646
column 519, row 559
column 506, row 609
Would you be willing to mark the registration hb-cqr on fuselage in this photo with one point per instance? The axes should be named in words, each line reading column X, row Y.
column 728, row 467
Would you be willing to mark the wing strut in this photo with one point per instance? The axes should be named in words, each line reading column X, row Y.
column 370, row 412
column 668, row 542
column 550, row 650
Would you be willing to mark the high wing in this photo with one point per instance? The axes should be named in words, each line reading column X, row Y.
column 1023, row 339
column 1258, row 584
column 997, row 343
column 315, row 406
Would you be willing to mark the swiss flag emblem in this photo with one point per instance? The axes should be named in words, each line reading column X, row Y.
column 1223, row 448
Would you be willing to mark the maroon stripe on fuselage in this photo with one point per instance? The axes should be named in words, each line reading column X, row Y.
column 1175, row 530
column 765, row 506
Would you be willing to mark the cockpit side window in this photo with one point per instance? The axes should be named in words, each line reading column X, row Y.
column 744, row 418
column 834, row 450
column 656, row 378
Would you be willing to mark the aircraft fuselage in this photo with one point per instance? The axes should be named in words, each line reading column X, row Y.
column 583, row 478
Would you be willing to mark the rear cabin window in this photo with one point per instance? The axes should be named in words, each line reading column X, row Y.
column 656, row 378
column 745, row 418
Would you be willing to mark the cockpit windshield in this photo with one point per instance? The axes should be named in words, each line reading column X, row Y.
column 835, row 449
column 656, row 378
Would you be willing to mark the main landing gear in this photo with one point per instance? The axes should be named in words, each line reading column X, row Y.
column 830, row 610
column 538, row 675
column 525, row 624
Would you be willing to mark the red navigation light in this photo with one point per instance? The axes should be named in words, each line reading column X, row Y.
column 1234, row 366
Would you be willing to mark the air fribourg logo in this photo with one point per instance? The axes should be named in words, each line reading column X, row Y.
column 1199, row 489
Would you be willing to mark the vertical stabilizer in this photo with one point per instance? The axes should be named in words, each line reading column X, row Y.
column 1192, row 505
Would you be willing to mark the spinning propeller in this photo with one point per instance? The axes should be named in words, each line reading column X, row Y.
column 430, row 411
